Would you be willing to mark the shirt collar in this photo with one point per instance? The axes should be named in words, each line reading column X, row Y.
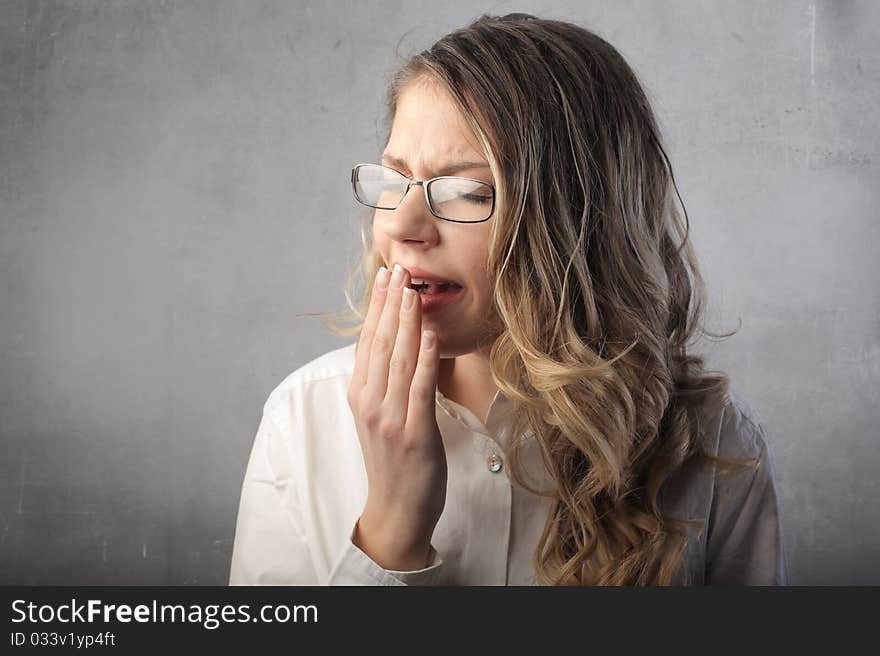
column 495, row 421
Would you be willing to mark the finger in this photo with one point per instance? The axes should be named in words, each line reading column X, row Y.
column 404, row 358
column 362, row 351
column 422, row 394
column 384, row 337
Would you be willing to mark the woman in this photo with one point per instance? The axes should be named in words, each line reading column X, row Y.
column 534, row 416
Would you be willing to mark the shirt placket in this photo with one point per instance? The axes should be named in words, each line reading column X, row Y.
column 488, row 520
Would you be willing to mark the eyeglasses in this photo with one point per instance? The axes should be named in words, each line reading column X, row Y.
column 462, row 200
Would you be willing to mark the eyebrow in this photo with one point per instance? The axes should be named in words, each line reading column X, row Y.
column 445, row 169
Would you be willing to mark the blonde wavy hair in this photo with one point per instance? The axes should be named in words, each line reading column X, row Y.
column 585, row 231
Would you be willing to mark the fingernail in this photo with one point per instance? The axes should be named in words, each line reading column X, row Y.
column 408, row 297
column 428, row 338
column 397, row 278
column 382, row 279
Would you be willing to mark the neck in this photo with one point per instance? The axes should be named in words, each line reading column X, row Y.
column 466, row 380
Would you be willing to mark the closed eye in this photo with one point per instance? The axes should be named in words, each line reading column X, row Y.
column 477, row 198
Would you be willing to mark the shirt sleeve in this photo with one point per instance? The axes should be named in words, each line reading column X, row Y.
column 271, row 546
column 744, row 544
column 354, row 567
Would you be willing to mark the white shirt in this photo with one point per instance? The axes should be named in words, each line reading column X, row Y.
column 306, row 486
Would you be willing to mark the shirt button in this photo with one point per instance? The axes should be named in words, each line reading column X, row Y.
column 494, row 462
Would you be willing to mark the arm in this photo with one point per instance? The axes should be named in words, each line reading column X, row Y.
column 745, row 541
column 271, row 546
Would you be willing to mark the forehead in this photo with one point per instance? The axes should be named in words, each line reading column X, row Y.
column 428, row 127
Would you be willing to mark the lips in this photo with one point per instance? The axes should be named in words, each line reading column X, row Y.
column 418, row 273
column 434, row 303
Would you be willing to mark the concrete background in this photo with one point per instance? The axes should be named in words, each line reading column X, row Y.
column 174, row 191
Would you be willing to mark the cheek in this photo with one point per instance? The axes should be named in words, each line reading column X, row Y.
column 480, row 295
column 380, row 245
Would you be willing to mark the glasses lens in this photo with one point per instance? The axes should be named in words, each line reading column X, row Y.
column 461, row 200
column 378, row 186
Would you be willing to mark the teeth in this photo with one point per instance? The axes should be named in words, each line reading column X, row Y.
column 424, row 281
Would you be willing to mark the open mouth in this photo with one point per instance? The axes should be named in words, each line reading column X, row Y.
column 434, row 288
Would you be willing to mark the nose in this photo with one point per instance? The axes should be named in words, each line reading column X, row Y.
column 418, row 194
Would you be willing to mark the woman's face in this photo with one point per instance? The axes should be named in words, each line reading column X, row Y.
column 429, row 136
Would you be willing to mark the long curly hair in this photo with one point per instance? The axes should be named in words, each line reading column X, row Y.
column 586, row 234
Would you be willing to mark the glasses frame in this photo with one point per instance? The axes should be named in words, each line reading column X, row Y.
column 424, row 184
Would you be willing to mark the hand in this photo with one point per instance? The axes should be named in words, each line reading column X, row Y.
column 392, row 398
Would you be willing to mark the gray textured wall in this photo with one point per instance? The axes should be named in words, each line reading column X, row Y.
column 174, row 191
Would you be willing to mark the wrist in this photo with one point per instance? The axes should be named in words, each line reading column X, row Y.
column 388, row 547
